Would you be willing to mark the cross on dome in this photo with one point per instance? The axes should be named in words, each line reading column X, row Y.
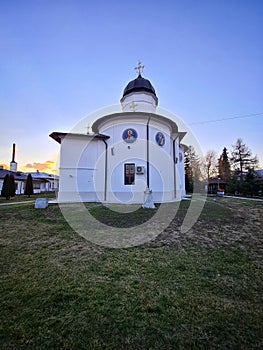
column 139, row 68
column 133, row 106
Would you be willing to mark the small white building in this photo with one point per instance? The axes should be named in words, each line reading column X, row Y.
column 42, row 182
column 127, row 155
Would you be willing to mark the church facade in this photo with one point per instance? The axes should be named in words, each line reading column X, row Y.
column 127, row 156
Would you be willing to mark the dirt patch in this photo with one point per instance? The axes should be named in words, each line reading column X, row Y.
column 244, row 227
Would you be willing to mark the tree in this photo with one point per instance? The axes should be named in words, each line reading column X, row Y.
column 192, row 169
column 188, row 174
column 233, row 185
column 250, row 186
column 210, row 164
column 242, row 158
column 12, row 185
column 7, row 187
column 224, row 166
column 29, row 186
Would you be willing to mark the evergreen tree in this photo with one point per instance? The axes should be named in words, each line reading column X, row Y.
column 29, row 186
column 7, row 187
column 224, row 165
column 188, row 175
column 192, row 169
column 249, row 186
column 12, row 185
column 233, row 185
column 242, row 158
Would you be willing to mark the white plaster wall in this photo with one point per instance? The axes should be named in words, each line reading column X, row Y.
column 82, row 164
column 161, row 174
column 144, row 102
column 78, row 159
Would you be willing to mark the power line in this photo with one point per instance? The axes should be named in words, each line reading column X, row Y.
column 227, row 118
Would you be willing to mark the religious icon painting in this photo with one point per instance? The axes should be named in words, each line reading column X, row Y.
column 129, row 135
column 160, row 139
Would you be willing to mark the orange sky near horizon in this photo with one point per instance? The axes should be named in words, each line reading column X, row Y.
column 48, row 166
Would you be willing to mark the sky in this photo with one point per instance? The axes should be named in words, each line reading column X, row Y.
column 62, row 60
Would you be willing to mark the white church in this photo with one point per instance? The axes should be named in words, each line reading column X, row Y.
column 131, row 156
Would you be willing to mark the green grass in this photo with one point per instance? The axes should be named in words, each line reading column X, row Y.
column 199, row 290
column 24, row 198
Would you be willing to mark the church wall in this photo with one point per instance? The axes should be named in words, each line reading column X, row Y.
column 142, row 101
column 82, row 166
column 161, row 163
column 77, row 166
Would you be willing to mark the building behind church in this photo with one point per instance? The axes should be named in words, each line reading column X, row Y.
column 42, row 181
column 128, row 154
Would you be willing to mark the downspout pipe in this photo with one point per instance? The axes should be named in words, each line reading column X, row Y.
column 147, row 156
column 174, row 165
column 106, row 170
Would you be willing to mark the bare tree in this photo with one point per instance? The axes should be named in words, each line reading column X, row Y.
column 210, row 164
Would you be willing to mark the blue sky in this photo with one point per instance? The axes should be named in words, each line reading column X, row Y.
column 62, row 60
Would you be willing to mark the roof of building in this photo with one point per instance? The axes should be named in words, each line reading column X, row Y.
column 42, row 175
column 259, row 172
column 139, row 84
column 17, row 175
column 20, row 176
column 59, row 136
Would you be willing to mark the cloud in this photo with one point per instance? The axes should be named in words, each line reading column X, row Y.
column 5, row 166
column 49, row 165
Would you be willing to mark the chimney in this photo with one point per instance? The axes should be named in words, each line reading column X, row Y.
column 13, row 163
column 14, row 152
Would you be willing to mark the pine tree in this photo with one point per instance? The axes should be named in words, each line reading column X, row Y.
column 224, row 165
column 29, row 186
column 250, row 186
column 188, row 175
column 12, row 185
column 192, row 169
column 242, row 158
column 7, row 188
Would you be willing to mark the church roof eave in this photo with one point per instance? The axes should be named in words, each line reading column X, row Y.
column 59, row 136
column 156, row 117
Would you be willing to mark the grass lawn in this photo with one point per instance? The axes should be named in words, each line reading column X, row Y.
column 25, row 198
column 198, row 290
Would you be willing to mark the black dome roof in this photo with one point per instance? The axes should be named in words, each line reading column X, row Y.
column 139, row 84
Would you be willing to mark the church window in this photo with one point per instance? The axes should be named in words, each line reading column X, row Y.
column 129, row 173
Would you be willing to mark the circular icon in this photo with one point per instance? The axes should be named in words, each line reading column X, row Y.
column 160, row 139
column 129, row 135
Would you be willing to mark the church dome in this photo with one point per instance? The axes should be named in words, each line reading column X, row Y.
column 139, row 84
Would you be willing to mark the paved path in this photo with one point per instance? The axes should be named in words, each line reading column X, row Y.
column 54, row 201
column 246, row 198
column 12, row 203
